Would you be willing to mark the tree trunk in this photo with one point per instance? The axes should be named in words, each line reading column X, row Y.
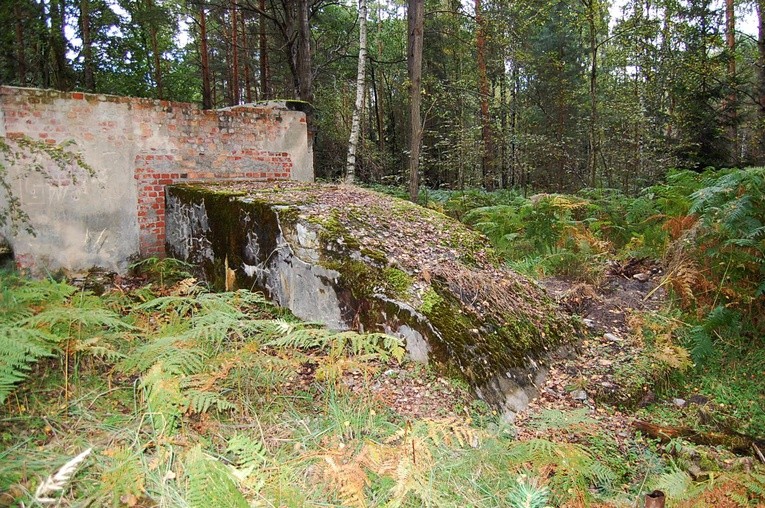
column 503, row 163
column 379, row 107
column 303, row 64
column 487, row 158
column 265, row 78
column 204, row 58
column 731, row 105
column 21, row 57
column 247, row 60
column 761, row 79
column 350, row 169
column 87, row 47
column 234, row 82
column 157, row 57
column 416, row 21
column 58, row 45
column 593, row 141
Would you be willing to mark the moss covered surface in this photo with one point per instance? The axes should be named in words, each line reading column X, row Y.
column 475, row 314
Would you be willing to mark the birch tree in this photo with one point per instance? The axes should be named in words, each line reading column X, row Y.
column 360, row 79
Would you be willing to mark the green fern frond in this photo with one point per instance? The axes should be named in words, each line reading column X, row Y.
column 677, row 484
column 576, row 470
column 164, row 399
column 249, row 452
column 210, row 483
column 37, row 292
column 201, row 402
column 20, row 348
column 557, row 419
column 65, row 318
column 173, row 351
column 122, row 475
column 528, row 493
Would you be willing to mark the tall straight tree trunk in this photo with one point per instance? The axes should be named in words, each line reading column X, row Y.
column 416, row 21
column 265, row 78
column 593, row 140
column 487, row 157
column 503, row 165
column 21, row 57
column 303, row 64
column 732, row 99
column 514, row 129
column 247, row 60
column 204, row 58
column 761, row 80
column 234, row 81
column 379, row 107
column 58, row 45
column 154, row 41
column 350, row 166
column 89, row 77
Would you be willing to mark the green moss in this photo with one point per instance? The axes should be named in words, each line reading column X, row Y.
column 356, row 276
column 430, row 300
column 377, row 256
column 288, row 214
column 397, row 282
column 333, row 231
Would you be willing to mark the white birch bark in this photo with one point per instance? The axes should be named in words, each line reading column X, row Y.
column 350, row 170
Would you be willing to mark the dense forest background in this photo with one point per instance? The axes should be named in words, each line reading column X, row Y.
column 543, row 95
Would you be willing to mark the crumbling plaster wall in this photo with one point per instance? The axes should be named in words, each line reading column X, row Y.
column 137, row 147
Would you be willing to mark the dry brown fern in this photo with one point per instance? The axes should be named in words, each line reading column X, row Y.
column 677, row 226
column 347, row 477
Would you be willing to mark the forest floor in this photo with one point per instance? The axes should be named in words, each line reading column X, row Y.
column 577, row 377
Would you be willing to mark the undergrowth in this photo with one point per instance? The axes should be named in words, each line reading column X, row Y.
column 189, row 398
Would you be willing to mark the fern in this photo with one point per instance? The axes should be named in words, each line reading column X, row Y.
column 250, row 453
column 201, row 402
column 576, row 471
column 166, row 403
column 528, row 493
column 557, row 419
column 20, row 348
column 122, row 476
column 173, row 351
column 210, row 483
column 720, row 322
column 677, row 484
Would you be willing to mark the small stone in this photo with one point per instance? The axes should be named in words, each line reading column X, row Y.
column 642, row 277
column 612, row 337
column 589, row 323
column 679, row 402
column 579, row 395
column 508, row 417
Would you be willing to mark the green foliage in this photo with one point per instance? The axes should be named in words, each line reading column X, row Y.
column 163, row 270
column 546, row 229
column 210, row 482
column 556, row 419
column 250, row 453
column 527, row 493
column 577, row 471
column 20, row 349
column 38, row 317
column 732, row 211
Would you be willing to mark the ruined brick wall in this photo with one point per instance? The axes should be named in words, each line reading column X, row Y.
column 137, row 146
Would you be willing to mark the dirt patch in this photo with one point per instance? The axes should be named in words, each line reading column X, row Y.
column 582, row 379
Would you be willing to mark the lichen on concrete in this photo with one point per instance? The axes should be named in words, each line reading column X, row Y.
column 353, row 258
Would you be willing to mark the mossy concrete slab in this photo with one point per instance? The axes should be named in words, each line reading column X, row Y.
column 353, row 258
